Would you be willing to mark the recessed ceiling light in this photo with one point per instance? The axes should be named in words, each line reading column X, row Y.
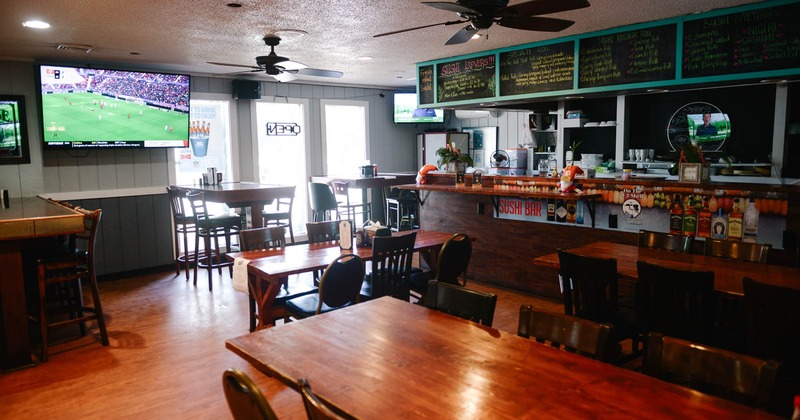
column 364, row 58
column 36, row 24
column 476, row 36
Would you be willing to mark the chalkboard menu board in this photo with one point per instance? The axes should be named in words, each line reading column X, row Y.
column 471, row 78
column 538, row 69
column 643, row 55
column 764, row 39
column 425, row 78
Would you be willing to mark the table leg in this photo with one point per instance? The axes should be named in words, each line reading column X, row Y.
column 256, row 220
column 265, row 289
column 15, row 351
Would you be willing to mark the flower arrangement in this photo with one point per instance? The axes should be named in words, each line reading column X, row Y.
column 451, row 154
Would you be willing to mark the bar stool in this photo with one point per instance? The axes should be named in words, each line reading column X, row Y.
column 402, row 212
column 212, row 227
column 281, row 218
column 341, row 191
column 322, row 201
column 183, row 224
column 66, row 268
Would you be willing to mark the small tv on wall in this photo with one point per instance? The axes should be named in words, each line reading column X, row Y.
column 406, row 111
column 82, row 107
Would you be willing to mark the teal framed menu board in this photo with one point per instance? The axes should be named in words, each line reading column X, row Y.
column 425, row 78
column 538, row 69
column 765, row 39
column 470, row 78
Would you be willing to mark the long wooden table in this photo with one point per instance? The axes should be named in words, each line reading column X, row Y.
column 24, row 219
column 267, row 269
column 728, row 273
column 243, row 194
column 392, row 358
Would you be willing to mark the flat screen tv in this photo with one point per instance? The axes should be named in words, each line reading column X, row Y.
column 406, row 111
column 103, row 108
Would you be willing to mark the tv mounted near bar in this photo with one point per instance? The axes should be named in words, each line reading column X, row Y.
column 406, row 111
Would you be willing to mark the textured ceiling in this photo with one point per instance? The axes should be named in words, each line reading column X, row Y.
column 182, row 35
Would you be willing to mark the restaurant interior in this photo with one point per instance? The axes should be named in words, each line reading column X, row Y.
column 418, row 209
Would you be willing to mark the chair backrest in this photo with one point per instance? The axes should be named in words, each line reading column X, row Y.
column 245, row 400
column 391, row 265
column 573, row 334
column 650, row 239
column 262, row 238
column 590, row 287
column 453, row 259
column 772, row 322
column 464, row 303
column 316, row 409
column 676, row 302
column 197, row 202
column 714, row 371
column 176, row 204
column 341, row 189
column 321, row 197
column 320, row 232
column 737, row 250
column 284, row 202
column 341, row 283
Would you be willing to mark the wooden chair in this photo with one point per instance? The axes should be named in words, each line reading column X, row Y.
column 341, row 190
column 573, row 334
column 316, row 409
column 714, row 371
column 737, row 250
column 322, row 201
column 390, row 267
column 183, row 225
column 591, row 291
column 280, row 217
column 464, row 303
column 451, row 265
column 211, row 227
column 339, row 287
column 63, row 271
column 245, row 400
column 678, row 303
column 670, row 242
column 264, row 239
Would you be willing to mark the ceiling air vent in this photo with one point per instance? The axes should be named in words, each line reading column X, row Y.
column 74, row 48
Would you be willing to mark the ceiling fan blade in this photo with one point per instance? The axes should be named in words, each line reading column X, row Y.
column 543, row 7
column 533, row 23
column 451, row 7
column 284, row 76
column 234, row 65
column 452, row 22
column 462, row 36
column 319, row 73
column 290, row 65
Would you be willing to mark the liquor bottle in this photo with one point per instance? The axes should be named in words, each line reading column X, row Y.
column 676, row 216
column 689, row 219
column 750, row 228
column 551, row 209
column 571, row 211
column 719, row 226
column 735, row 222
column 704, row 221
column 561, row 211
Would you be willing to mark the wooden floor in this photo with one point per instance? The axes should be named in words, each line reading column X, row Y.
column 166, row 356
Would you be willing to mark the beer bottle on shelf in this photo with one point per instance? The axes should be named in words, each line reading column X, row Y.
column 735, row 222
column 676, row 216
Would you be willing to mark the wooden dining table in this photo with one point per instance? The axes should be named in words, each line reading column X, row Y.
column 267, row 269
column 387, row 357
column 728, row 273
column 252, row 195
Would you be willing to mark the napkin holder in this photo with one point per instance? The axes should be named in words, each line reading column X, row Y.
column 373, row 228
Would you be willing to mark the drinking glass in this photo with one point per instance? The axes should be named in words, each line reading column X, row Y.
column 651, row 155
column 631, row 154
column 639, row 155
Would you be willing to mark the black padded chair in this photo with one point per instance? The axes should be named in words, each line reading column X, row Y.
column 670, row 242
column 390, row 267
column 264, row 239
column 245, row 400
column 210, row 227
column 590, row 290
column 464, row 303
column 322, row 201
column 183, row 224
column 738, row 377
column 281, row 213
column 451, row 265
column 737, row 250
column 677, row 303
column 351, row 209
column 339, row 287
column 61, row 273
column 570, row 333
column 316, row 409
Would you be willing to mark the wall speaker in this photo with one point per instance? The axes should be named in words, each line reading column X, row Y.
column 246, row 89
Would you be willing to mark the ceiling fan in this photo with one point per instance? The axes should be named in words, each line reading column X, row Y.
column 281, row 68
column 481, row 14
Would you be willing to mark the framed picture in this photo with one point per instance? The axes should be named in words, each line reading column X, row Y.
column 694, row 172
column 13, row 130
